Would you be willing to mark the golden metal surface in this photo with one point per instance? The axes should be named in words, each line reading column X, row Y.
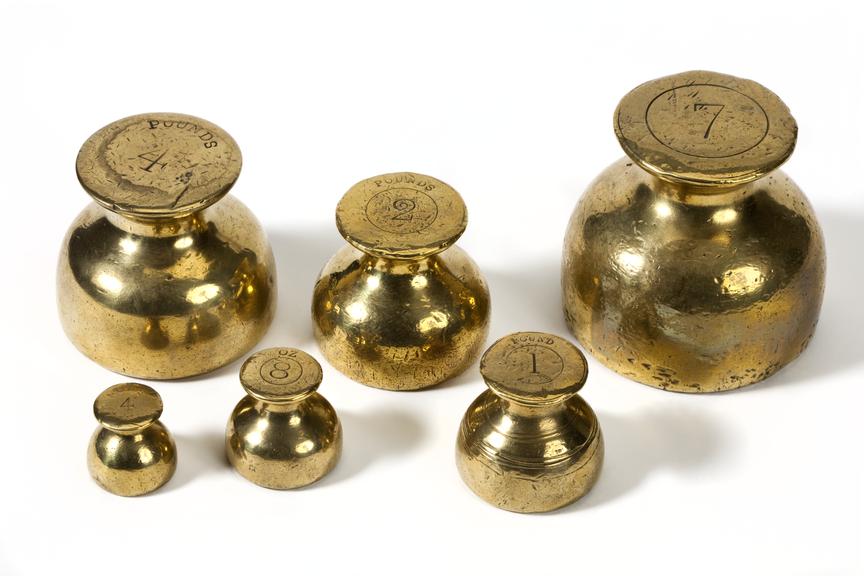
column 131, row 453
column 530, row 443
column 705, row 128
column 397, row 309
column 157, row 279
column 158, row 165
column 409, row 216
column 283, row 434
column 698, row 267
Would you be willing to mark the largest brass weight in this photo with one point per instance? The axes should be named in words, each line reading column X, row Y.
column 694, row 264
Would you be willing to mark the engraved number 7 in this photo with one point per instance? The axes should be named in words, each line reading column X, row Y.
column 700, row 106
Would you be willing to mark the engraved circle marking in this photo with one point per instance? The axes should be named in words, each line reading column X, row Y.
column 280, row 371
column 706, row 121
column 402, row 211
column 533, row 364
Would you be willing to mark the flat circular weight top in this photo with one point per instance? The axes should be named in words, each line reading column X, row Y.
column 158, row 165
column 280, row 374
column 401, row 215
column 534, row 367
column 127, row 407
column 705, row 128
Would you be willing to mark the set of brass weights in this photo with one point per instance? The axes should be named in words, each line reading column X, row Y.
column 693, row 264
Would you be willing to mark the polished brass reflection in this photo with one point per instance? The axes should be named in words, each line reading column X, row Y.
column 131, row 453
column 400, row 307
column 694, row 264
column 530, row 443
column 162, row 275
column 283, row 434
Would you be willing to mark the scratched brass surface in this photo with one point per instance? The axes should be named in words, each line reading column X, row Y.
column 694, row 264
column 530, row 443
column 706, row 129
column 283, row 434
column 400, row 307
column 131, row 452
column 162, row 275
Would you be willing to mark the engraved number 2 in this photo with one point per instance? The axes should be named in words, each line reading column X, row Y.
column 700, row 106
column 405, row 208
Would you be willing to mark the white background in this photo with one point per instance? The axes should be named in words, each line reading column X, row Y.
column 512, row 105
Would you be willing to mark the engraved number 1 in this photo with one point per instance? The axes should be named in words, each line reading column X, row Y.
column 533, row 363
column 700, row 106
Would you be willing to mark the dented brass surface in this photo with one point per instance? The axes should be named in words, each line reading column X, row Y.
column 530, row 443
column 400, row 307
column 283, row 434
column 163, row 275
column 694, row 264
column 131, row 452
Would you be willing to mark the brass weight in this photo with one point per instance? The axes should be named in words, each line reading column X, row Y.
column 400, row 307
column 131, row 453
column 694, row 264
column 163, row 275
column 530, row 443
column 283, row 434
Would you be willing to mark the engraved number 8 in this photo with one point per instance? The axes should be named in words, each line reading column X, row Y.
column 278, row 373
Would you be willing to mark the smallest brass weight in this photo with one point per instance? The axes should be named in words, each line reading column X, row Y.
column 283, row 434
column 530, row 443
column 131, row 453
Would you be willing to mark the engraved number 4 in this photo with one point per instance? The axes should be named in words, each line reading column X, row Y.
column 153, row 158
column 700, row 106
